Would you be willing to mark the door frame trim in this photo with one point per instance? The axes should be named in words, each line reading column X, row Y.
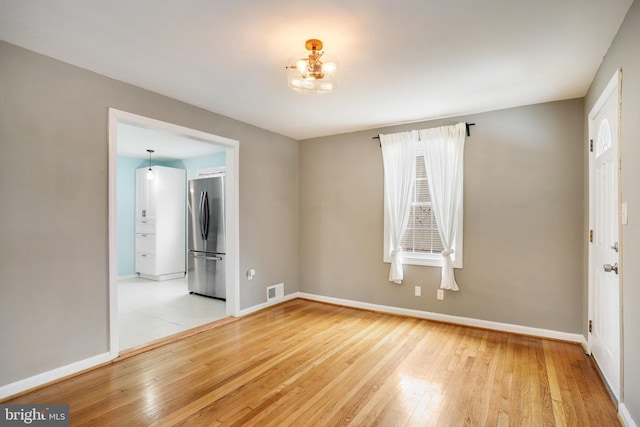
column 232, row 209
column 615, row 83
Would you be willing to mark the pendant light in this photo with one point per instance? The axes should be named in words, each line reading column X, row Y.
column 313, row 71
column 150, row 171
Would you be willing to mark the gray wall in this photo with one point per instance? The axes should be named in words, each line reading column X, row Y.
column 54, row 216
column 624, row 53
column 523, row 222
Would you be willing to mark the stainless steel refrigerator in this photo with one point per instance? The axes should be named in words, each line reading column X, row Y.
column 206, row 240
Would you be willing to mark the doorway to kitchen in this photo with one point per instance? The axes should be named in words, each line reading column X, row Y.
column 130, row 296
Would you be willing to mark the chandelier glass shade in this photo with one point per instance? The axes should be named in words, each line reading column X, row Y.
column 313, row 71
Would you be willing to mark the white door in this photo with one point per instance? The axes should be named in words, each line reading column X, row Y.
column 604, row 290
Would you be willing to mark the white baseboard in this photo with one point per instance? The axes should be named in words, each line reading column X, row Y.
column 54, row 374
column 268, row 304
column 128, row 276
column 626, row 416
column 466, row 321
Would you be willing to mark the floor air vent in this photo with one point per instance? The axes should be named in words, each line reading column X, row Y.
column 275, row 291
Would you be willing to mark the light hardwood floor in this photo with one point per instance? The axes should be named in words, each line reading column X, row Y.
column 304, row 363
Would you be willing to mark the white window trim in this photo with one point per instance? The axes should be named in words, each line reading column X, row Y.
column 429, row 260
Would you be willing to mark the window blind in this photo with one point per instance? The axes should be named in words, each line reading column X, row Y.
column 422, row 234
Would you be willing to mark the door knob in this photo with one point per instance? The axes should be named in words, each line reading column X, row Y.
column 609, row 268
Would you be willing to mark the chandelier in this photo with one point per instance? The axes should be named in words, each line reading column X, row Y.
column 314, row 71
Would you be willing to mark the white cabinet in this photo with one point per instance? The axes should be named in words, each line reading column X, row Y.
column 145, row 194
column 160, row 223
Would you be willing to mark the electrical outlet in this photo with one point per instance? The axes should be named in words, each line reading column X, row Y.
column 440, row 294
column 418, row 291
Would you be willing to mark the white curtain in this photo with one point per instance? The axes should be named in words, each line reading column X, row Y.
column 399, row 160
column 444, row 159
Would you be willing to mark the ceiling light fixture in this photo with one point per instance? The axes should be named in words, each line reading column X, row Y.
column 313, row 72
column 150, row 171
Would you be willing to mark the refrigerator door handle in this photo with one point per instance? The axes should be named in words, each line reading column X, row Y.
column 209, row 257
column 200, row 215
column 204, row 215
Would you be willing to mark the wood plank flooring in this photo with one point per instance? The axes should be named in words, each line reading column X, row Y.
column 303, row 363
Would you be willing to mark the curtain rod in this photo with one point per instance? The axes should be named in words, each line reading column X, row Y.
column 466, row 124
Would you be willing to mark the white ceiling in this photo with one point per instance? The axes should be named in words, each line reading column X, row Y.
column 134, row 141
column 400, row 60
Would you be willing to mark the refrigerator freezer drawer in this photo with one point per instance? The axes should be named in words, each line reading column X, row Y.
column 206, row 275
column 146, row 243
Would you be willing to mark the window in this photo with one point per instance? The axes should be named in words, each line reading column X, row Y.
column 421, row 242
column 438, row 155
column 422, row 235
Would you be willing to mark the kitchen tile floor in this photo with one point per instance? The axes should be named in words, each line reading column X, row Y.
column 149, row 310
